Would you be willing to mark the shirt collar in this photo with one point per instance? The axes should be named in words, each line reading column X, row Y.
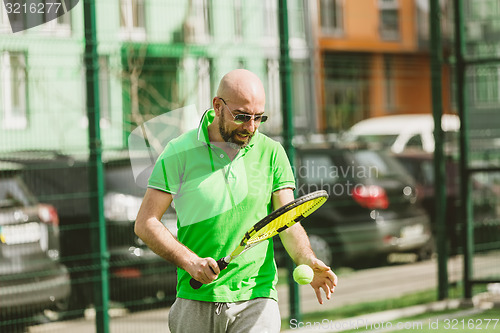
column 207, row 118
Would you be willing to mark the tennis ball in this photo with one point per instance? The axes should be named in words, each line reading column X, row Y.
column 303, row 274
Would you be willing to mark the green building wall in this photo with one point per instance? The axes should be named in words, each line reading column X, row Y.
column 55, row 102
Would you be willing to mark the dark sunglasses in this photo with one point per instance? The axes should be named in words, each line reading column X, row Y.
column 241, row 118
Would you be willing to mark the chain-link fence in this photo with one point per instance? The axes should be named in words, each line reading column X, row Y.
column 477, row 69
column 159, row 64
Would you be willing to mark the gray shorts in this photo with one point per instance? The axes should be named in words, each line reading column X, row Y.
column 259, row 315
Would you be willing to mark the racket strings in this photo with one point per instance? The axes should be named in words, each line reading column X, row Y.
column 315, row 205
column 269, row 230
column 285, row 220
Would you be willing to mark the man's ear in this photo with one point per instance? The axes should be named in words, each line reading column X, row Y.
column 217, row 105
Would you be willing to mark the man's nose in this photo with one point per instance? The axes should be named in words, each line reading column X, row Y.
column 250, row 125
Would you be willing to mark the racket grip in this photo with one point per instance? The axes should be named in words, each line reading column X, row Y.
column 195, row 284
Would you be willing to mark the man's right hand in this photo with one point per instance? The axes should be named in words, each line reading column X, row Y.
column 204, row 270
column 159, row 239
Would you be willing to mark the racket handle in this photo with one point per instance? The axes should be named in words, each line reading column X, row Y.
column 195, row 284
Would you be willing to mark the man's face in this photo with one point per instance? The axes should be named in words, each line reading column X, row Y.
column 232, row 132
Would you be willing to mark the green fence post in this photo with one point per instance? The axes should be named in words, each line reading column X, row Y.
column 439, row 161
column 96, row 172
column 287, row 112
column 465, row 186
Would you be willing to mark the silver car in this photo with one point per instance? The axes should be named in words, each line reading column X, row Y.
column 31, row 277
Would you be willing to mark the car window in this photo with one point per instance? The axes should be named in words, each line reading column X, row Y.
column 422, row 170
column 428, row 172
column 377, row 141
column 415, row 142
column 317, row 169
column 121, row 180
column 412, row 167
column 13, row 194
column 376, row 164
column 450, row 141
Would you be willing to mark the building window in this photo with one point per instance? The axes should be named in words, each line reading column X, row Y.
column 198, row 28
column 60, row 25
column 346, row 92
column 297, row 19
column 4, row 21
column 64, row 20
column 389, row 19
column 273, row 92
column 389, row 84
column 104, row 92
column 483, row 25
column 238, row 19
column 13, row 90
column 486, row 86
column 43, row 16
column 303, row 107
column 241, row 63
column 204, row 92
column 332, row 17
column 157, row 87
column 132, row 19
column 15, row 21
column 270, row 26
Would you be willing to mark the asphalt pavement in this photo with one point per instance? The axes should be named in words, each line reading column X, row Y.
column 354, row 287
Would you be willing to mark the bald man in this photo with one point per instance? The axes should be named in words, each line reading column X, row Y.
column 222, row 178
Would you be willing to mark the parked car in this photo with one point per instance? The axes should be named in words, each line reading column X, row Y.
column 32, row 278
column 136, row 275
column 136, row 272
column 400, row 132
column 372, row 210
column 485, row 201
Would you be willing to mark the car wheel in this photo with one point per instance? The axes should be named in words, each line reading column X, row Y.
column 74, row 306
column 321, row 248
column 427, row 251
column 150, row 303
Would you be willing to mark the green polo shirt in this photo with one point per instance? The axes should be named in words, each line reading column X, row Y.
column 217, row 200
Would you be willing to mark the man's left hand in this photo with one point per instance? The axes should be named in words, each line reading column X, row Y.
column 324, row 278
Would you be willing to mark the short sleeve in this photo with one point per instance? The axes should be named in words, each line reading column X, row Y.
column 167, row 172
column 282, row 171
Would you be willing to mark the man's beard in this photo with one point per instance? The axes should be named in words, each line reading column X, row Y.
column 230, row 137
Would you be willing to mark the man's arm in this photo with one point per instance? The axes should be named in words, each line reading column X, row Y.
column 296, row 243
column 160, row 240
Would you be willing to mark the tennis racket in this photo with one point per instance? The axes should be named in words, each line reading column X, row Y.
column 271, row 225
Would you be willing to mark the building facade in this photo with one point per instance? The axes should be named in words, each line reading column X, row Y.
column 374, row 60
column 154, row 57
column 351, row 60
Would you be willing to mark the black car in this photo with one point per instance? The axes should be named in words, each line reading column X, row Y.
column 136, row 273
column 32, row 279
column 372, row 209
column 137, row 276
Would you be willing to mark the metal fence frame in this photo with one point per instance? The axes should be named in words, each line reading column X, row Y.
column 461, row 63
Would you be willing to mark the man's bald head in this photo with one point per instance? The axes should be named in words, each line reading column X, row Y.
column 240, row 92
column 242, row 85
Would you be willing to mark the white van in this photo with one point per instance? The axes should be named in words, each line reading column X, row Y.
column 400, row 132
